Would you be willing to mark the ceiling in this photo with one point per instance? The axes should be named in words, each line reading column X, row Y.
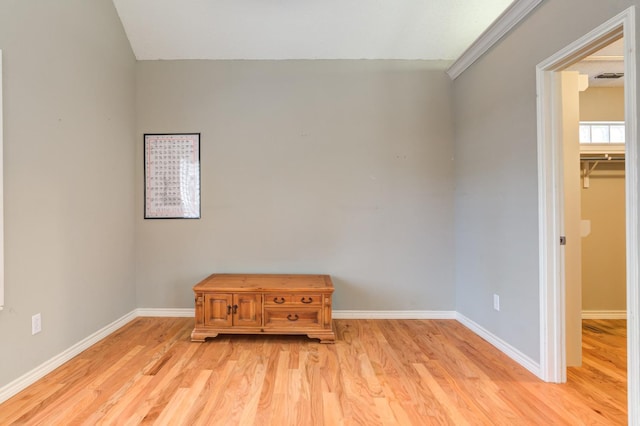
column 305, row 29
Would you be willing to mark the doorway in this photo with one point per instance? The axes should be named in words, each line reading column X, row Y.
column 594, row 192
column 553, row 319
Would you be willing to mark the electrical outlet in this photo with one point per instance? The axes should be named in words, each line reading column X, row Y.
column 36, row 324
column 496, row 302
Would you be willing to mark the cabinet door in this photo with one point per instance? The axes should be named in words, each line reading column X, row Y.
column 247, row 308
column 217, row 310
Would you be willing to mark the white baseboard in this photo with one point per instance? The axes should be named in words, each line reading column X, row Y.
column 338, row 314
column 47, row 367
column 593, row 314
column 166, row 312
column 501, row 345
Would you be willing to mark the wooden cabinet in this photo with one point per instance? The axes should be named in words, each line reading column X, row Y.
column 263, row 304
column 232, row 310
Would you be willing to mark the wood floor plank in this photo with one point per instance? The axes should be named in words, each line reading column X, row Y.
column 113, row 414
column 250, row 409
column 332, row 409
column 452, row 412
column 216, row 389
column 30, row 402
column 402, row 390
column 379, row 372
column 178, row 410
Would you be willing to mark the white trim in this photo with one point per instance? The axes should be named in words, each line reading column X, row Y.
column 550, row 196
column 513, row 353
column 515, row 13
column 594, row 314
column 1, row 196
column 166, row 312
column 337, row 314
column 552, row 338
column 47, row 367
column 552, row 309
column 632, row 202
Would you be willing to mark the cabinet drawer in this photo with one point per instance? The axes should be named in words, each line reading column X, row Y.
column 292, row 318
column 277, row 299
column 306, row 299
column 295, row 299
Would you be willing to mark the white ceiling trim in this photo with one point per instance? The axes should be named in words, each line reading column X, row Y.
column 515, row 13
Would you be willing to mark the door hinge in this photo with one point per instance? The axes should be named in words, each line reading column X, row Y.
column 563, row 241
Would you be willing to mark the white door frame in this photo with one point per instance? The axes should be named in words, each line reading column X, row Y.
column 550, row 210
column 1, row 197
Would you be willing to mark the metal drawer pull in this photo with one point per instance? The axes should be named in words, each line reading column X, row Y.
column 228, row 309
column 293, row 317
column 275, row 300
column 235, row 309
column 304, row 301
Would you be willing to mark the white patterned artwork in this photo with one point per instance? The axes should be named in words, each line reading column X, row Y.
column 172, row 176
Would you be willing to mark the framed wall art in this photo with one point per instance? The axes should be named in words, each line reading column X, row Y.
column 172, row 176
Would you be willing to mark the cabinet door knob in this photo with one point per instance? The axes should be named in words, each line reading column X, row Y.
column 304, row 300
column 235, row 309
column 293, row 317
column 228, row 309
column 278, row 301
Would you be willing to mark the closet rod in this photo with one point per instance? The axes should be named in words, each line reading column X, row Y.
column 605, row 159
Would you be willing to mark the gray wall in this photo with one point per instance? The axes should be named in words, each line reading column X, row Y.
column 69, row 129
column 339, row 167
column 496, row 199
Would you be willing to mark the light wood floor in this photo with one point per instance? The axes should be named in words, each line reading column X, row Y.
column 379, row 372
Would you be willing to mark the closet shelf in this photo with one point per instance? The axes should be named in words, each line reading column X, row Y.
column 591, row 157
column 591, row 160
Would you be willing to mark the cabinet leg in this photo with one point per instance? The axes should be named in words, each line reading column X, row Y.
column 324, row 337
column 197, row 336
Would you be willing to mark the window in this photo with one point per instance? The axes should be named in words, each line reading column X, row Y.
column 602, row 132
